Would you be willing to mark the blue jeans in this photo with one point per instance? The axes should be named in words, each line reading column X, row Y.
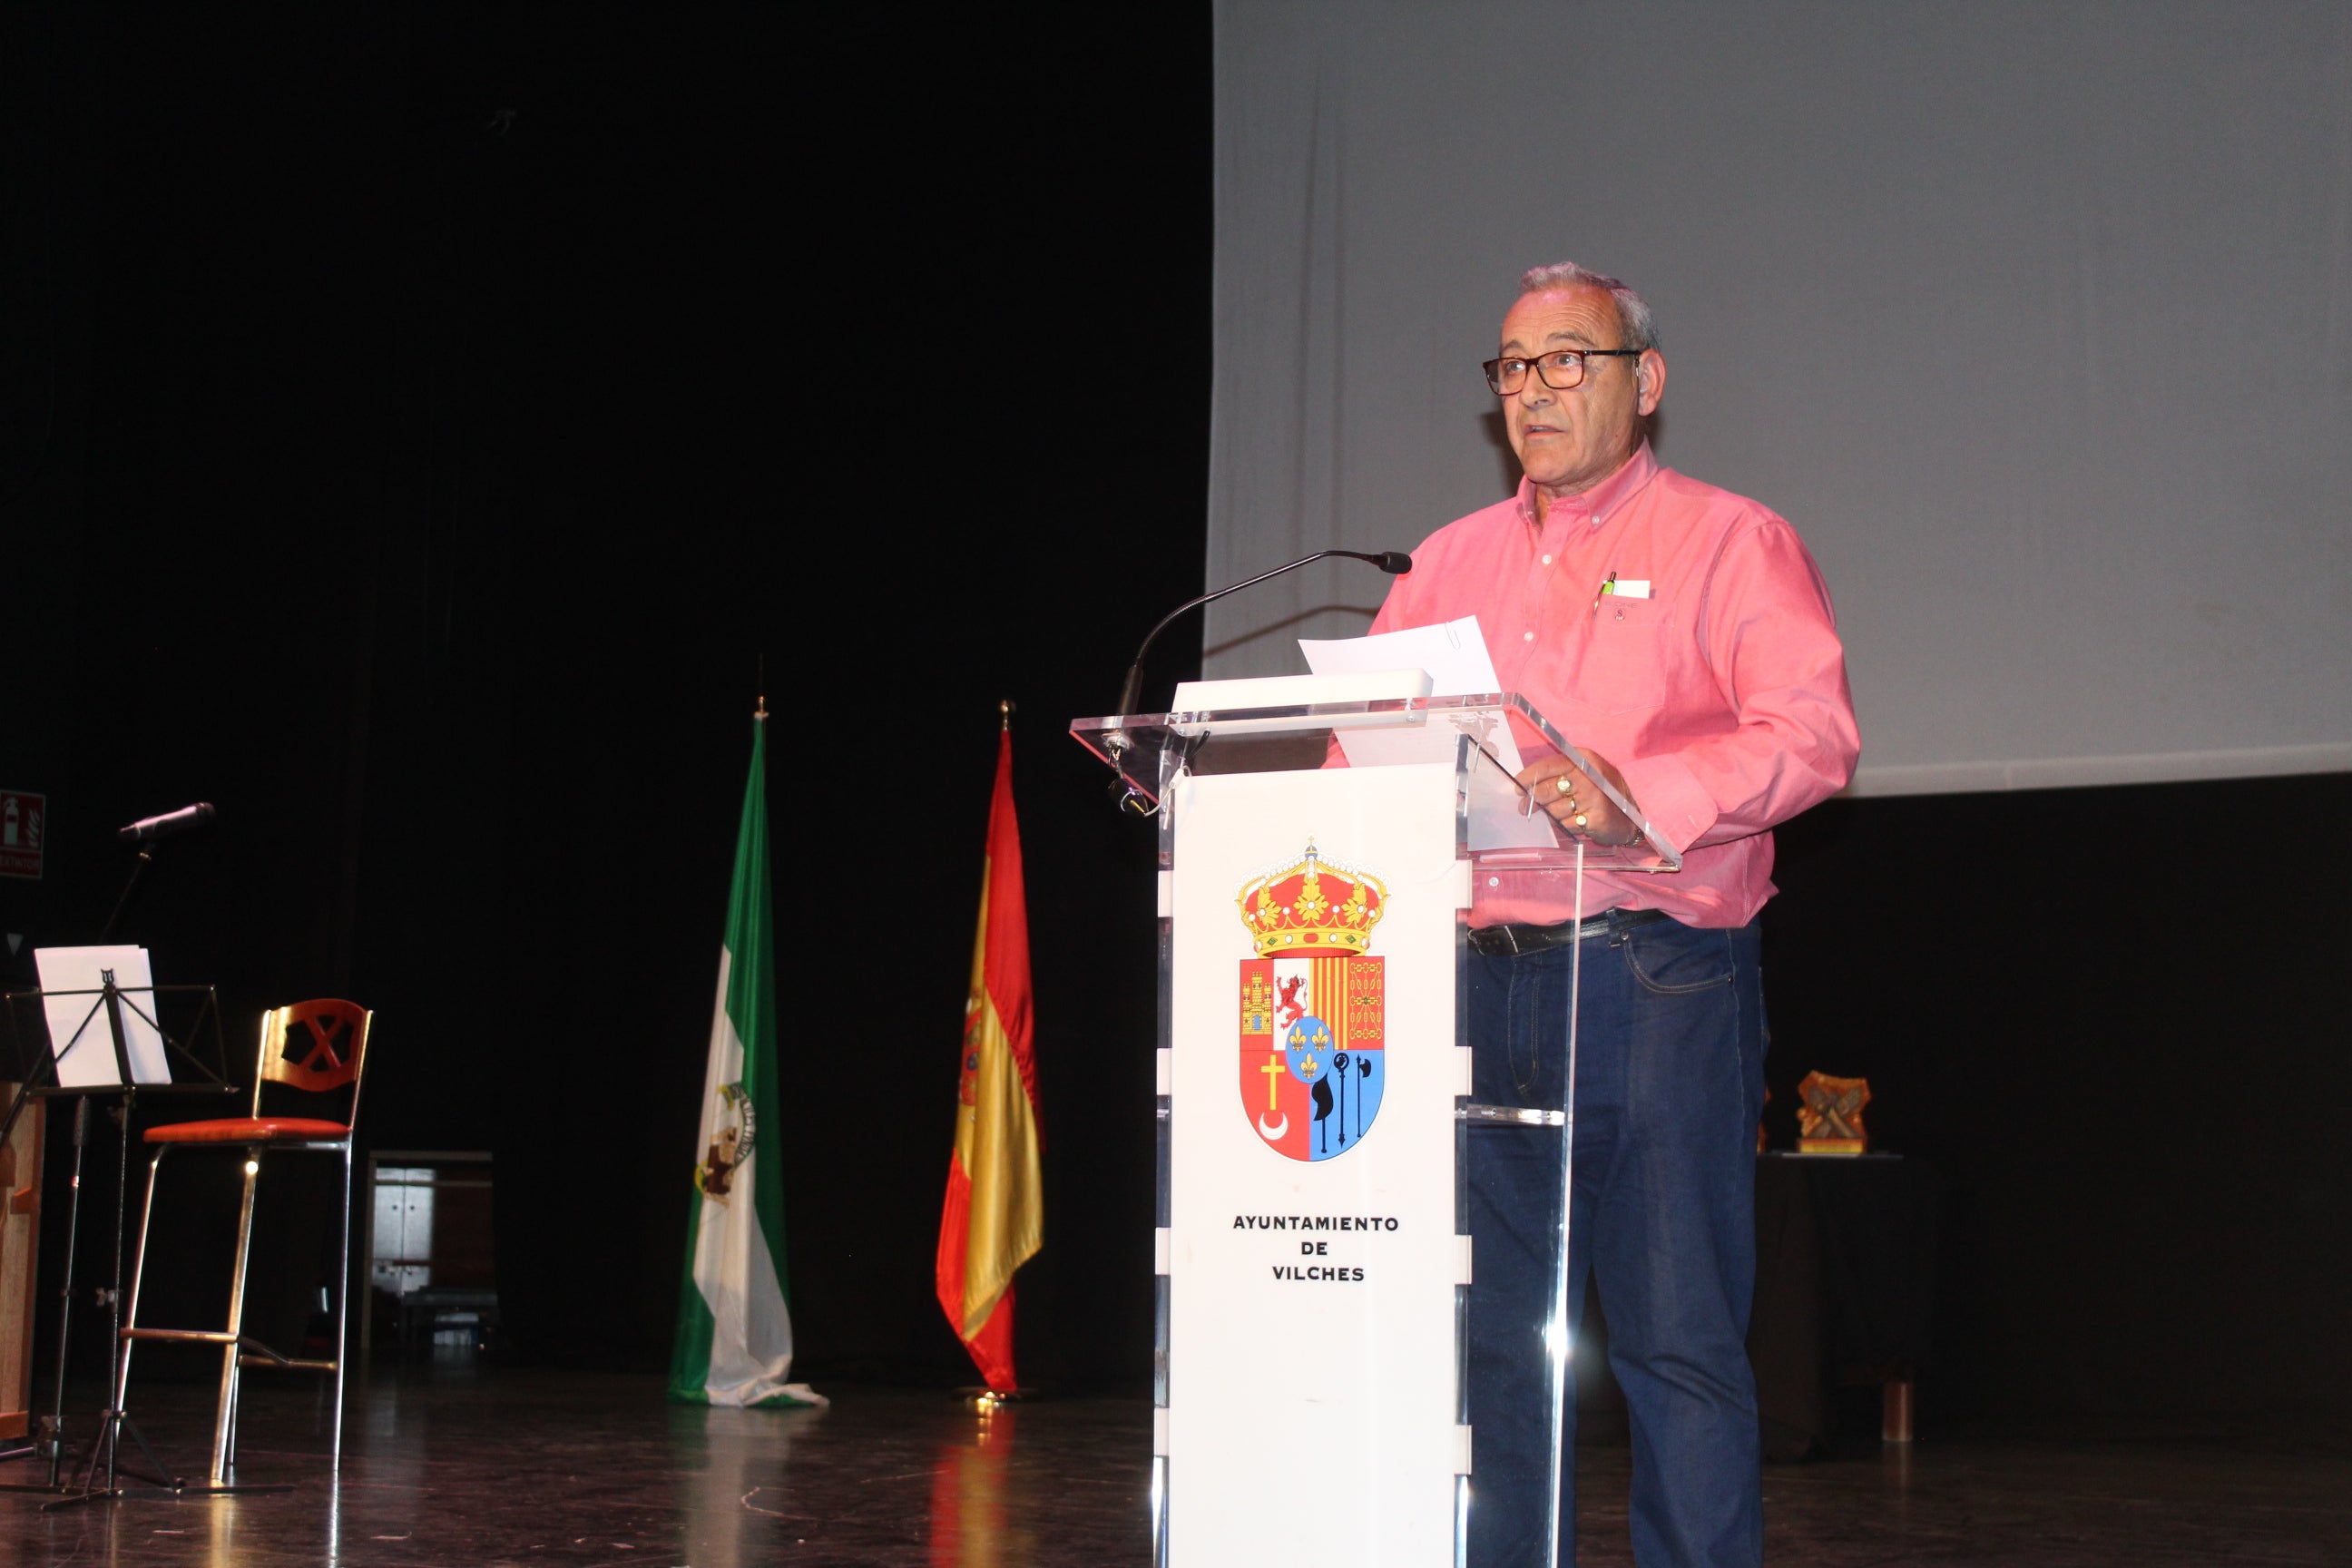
column 1669, row 1083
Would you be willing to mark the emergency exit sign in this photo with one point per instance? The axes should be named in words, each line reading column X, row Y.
column 24, row 825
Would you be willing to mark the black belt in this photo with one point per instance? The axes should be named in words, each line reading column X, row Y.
column 1502, row 941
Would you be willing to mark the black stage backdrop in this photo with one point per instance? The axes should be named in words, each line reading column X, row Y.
column 415, row 426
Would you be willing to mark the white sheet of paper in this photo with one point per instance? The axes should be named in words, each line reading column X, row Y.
column 1454, row 654
column 89, row 1061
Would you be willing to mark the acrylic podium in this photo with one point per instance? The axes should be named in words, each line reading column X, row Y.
column 1315, row 1105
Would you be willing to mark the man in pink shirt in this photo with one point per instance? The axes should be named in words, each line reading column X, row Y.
column 1682, row 636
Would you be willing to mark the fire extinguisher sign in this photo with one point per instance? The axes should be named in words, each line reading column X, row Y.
column 24, row 825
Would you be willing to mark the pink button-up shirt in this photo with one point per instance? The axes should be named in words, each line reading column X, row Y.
column 1722, row 696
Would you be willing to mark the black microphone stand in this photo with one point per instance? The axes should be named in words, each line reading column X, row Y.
column 147, row 833
column 1395, row 562
column 130, row 891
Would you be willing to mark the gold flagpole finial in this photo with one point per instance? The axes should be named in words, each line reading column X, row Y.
column 1005, row 711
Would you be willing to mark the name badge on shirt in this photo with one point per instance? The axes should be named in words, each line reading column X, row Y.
column 1629, row 588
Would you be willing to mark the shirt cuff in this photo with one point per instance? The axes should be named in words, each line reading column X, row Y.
column 1672, row 800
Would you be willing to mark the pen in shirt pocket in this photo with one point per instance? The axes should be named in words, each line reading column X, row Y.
column 1607, row 586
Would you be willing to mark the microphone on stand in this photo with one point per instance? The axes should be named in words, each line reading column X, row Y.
column 1395, row 562
column 147, row 829
column 145, row 832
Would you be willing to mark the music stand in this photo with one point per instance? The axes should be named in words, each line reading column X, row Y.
column 138, row 1062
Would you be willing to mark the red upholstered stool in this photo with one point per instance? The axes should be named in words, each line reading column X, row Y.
column 312, row 1049
column 247, row 1130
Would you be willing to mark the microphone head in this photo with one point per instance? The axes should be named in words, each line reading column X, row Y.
column 148, row 828
column 1395, row 562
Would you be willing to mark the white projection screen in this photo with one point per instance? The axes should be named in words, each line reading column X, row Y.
column 2036, row 320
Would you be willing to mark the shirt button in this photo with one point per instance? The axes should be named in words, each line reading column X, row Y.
column 1547, row 560
column 1494, row 881
column 1527, row 637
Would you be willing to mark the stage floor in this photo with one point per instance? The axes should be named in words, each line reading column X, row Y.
column 458, row 1468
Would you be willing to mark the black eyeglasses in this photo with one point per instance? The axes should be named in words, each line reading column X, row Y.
column 1562, row 370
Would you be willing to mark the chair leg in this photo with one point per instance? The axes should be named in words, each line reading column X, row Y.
column 225, row 1417
column 138, row 1277
column 342, row 1311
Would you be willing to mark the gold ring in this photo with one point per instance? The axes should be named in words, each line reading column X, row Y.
column 1561, row 783
column 1581, row 820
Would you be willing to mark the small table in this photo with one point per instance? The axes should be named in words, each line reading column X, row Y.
column 1845, row 1289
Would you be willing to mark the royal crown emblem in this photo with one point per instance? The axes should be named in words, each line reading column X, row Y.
column 1313, row 1061
column 1312, row 906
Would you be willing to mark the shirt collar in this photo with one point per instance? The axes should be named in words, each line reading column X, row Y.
column 1598, row 504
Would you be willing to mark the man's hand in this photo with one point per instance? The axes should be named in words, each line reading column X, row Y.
column 1577, row 808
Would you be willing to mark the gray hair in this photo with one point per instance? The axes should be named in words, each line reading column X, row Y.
column 1634, row 315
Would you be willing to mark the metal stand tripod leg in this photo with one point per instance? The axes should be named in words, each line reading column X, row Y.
column 65, row 1292
column 107, row 1442
column 119, row 1414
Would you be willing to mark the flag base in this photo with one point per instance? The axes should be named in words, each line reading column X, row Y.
column 982, row 1398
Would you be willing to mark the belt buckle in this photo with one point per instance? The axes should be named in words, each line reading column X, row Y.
column 1496, row 941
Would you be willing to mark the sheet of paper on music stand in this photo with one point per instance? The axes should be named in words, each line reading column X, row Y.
column 87, row 1061
column 1454, row 654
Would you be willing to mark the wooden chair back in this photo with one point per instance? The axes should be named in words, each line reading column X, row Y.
column 316, row 1047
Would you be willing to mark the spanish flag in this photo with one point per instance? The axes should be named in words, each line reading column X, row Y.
column 993, row 1220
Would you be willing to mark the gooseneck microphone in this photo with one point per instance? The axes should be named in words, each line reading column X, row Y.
column 147, row 829
column 1395, row 562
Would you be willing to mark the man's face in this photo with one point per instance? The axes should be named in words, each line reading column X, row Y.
column 1570, row 441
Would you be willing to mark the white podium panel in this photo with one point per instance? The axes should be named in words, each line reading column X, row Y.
column 1311, row 1254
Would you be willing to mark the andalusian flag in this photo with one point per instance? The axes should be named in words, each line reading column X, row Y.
column 995, row 1212
column 734, row 1335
